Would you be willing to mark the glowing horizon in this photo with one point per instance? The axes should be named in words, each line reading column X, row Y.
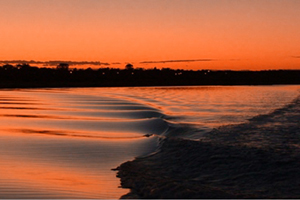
column 186, row 34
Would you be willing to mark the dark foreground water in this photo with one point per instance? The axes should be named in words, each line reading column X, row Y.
column 63, row 143
column 257, row 159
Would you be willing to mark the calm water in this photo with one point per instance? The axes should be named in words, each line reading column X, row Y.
column 63, row 143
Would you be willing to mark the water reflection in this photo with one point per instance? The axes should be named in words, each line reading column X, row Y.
column 111, row 136
column 62, row 143
column 55, row 144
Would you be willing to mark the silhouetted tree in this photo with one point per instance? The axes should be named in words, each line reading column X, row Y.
column 63, row 66
column 8, row 67
column 23, row 66
column 129, row 66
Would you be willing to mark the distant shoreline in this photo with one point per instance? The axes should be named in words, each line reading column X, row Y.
column 256, row 159
column 26, row 76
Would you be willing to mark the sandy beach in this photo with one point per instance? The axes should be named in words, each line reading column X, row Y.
column 255, row 159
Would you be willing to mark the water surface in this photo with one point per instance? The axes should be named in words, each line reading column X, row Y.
column 63, row 143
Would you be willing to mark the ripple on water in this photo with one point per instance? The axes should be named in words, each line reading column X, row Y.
column 63, row 143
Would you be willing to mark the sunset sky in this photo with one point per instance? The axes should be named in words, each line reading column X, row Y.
column 188, row 34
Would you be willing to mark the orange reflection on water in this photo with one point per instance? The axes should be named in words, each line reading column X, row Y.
column 63, row 142
column 112, row 136
column 58, row 181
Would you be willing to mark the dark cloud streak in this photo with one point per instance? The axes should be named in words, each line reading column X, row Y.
column 173, row 61
column 53, row 62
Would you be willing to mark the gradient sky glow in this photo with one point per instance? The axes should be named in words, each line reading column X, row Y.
column 212, row 34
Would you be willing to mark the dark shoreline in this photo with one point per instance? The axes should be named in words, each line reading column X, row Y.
column 26, row 76
column 256, row 159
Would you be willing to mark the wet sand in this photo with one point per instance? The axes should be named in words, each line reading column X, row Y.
column 256, row 159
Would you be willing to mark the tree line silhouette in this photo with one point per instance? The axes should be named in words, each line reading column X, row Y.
column 26, row 76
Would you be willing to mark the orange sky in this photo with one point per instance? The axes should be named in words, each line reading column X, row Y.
column 233, row 34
